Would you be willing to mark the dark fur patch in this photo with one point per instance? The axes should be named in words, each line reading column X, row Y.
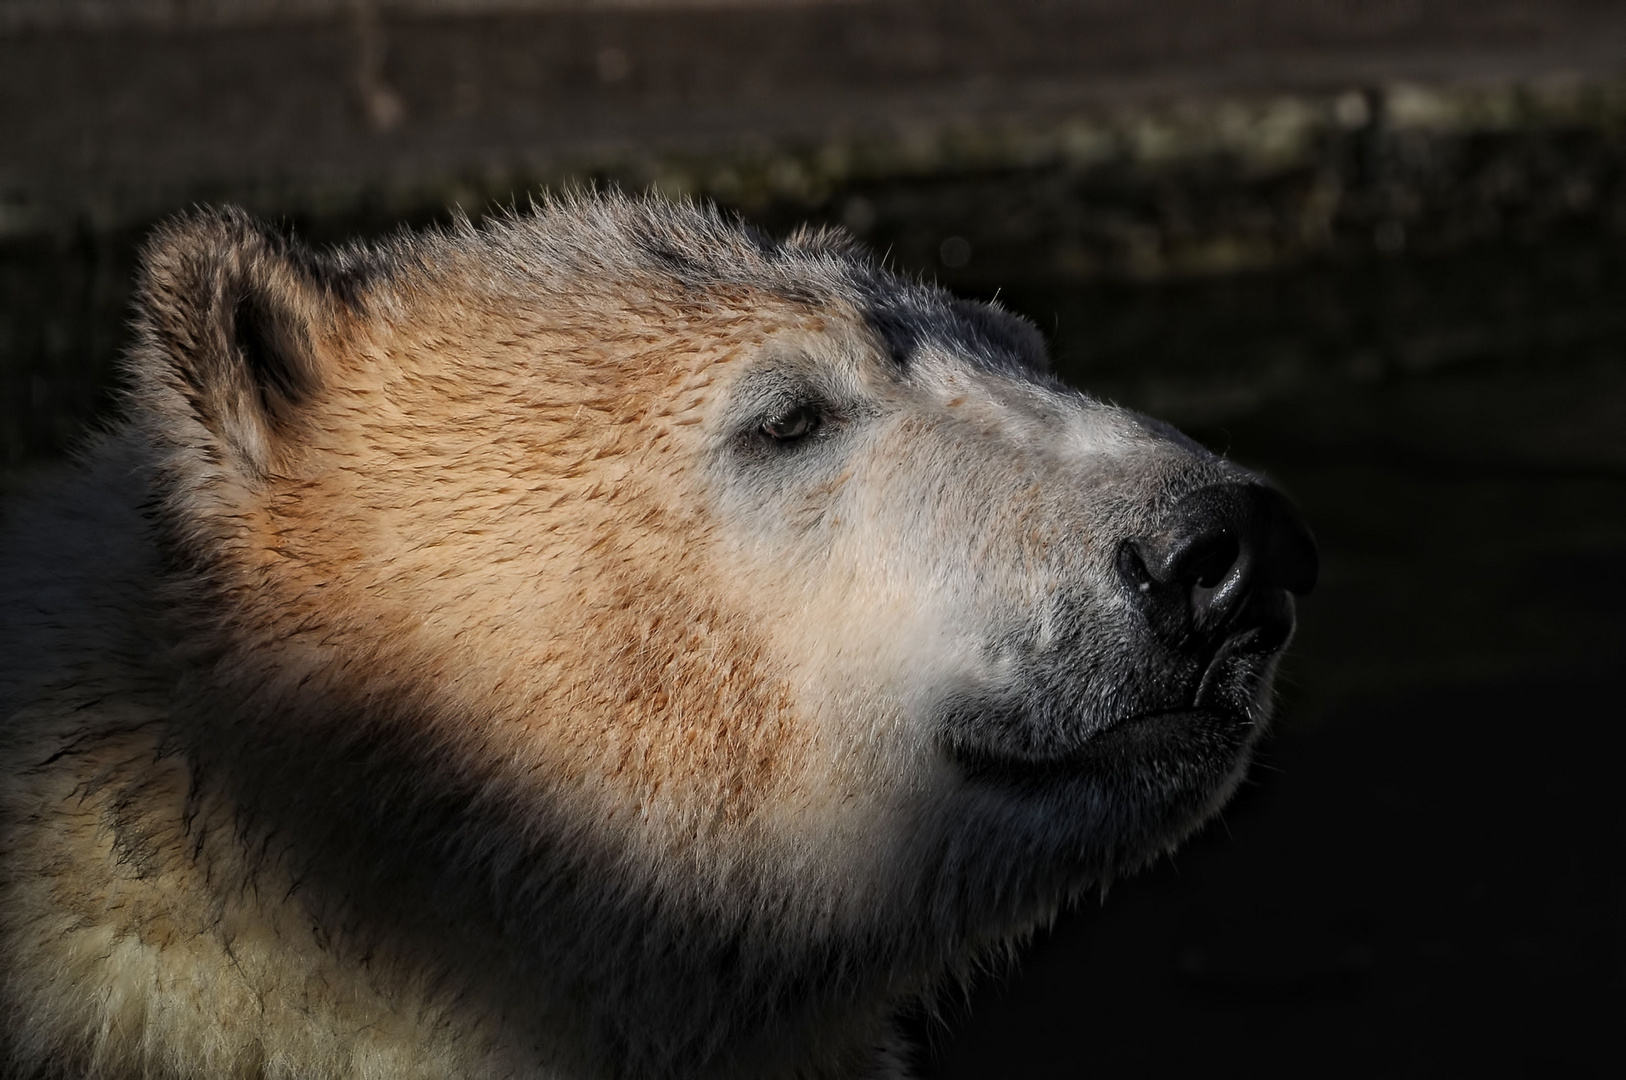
column 908, row 318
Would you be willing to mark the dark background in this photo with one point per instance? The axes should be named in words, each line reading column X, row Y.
column 1377, row 250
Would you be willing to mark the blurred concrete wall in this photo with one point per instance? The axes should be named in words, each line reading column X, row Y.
column 174, row 12
column 115, row 110
column 977, row 141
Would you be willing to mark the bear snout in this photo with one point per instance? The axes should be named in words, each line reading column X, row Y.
column 1210, row 584
column 1224, row 564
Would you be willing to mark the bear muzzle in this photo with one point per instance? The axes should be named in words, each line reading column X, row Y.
column 1210, row 590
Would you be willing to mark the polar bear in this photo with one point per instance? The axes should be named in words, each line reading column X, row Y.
column 600, row 643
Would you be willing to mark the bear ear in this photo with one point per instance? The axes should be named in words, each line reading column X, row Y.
column 231, row 317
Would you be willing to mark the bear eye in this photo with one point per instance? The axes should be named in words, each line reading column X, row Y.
column 797, row 423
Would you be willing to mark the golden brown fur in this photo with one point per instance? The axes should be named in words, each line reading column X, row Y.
column 437, row 674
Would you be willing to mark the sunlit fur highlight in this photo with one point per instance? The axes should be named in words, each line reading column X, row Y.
column 421, row 681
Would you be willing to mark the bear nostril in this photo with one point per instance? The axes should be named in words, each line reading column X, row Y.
column 1223, row 563
column 1132, row 568
column 1208, row 560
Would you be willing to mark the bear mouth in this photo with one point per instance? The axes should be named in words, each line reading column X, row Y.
column 1180, row 743
column 1192, row 741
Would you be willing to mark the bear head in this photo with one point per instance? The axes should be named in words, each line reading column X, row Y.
column 686, row 645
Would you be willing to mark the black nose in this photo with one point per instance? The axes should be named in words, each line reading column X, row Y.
column 1224, row 563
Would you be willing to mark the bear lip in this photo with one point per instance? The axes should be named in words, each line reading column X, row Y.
column 1215, row 719
column 1259, row 645
column 1134, row 742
